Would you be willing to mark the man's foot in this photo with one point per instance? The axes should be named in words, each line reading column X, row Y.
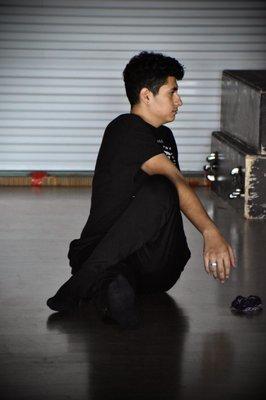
column 121, row 303
column 64, row 299
column 62, row 304
column 116, row 303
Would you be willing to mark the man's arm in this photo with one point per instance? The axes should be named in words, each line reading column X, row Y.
column 215, row 246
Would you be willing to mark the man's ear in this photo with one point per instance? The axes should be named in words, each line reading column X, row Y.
column 145, row 95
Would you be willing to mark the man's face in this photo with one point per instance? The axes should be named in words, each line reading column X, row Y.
column 165, row 103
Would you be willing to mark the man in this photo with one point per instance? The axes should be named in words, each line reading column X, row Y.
column 134, row 241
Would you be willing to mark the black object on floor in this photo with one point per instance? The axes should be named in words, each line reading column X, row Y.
column 248, row 304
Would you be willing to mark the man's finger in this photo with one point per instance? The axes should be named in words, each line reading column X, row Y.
column 227, row 265
column 206, row 262
column 232, row 257
column 220, row 269
column 214, row 269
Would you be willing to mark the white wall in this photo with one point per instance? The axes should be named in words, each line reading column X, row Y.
column 61, row 64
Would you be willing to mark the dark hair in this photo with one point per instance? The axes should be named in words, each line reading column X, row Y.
column 150, row 70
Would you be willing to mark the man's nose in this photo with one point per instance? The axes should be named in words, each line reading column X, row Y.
column 178, row 101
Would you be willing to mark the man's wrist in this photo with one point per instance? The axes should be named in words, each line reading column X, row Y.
column 210, row 230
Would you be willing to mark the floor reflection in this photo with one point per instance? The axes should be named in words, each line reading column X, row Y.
column 127, row 364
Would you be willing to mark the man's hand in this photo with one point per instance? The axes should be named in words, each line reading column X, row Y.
column 217, row 249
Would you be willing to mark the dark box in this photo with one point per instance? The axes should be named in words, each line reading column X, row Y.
column 243, row 107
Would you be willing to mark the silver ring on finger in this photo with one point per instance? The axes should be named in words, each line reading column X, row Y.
column 213, row 264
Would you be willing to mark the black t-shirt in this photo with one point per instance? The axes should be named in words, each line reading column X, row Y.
column 128, row 141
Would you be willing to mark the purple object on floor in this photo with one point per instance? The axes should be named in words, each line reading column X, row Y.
column 246, row 304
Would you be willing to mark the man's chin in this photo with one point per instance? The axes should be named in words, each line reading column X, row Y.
column 171, row 118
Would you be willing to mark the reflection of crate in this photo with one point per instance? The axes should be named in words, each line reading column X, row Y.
column 238, row 175
column 243, row 107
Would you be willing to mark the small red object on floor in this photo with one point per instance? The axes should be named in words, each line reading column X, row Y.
column 37, row 178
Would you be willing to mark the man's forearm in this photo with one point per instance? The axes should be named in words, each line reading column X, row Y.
column 192, row 207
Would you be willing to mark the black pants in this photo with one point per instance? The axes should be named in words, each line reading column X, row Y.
column 146, row 243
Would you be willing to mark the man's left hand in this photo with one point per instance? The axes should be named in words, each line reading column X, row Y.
column 216, row 249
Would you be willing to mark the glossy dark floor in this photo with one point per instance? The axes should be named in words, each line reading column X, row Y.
column 189, row 346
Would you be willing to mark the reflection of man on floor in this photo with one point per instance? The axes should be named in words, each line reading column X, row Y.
column 133, row 241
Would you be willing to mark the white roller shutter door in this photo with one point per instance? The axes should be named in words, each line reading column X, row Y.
column 61, row 72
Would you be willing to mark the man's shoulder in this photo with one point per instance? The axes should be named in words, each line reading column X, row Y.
column 121, row 129
column 120, row 120
column 114, row 128
column 128, row 125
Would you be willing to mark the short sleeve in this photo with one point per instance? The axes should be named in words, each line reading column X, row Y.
column 139, row 144
column 174, row 147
